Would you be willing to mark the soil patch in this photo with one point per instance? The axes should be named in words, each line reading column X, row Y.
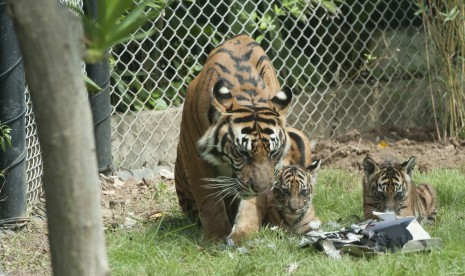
column 348, row 150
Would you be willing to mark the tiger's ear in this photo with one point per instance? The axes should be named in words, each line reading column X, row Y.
column 312, row 169
column 223, row 100
column 369, row 165
column 409, row 165
column 281, row 101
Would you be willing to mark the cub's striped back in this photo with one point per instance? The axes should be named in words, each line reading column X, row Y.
column 290, row 204
column 388, row 187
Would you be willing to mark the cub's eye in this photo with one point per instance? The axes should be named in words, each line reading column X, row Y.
column 285, row 191
column 304, row 192
column 379, row 195
column 399, row 195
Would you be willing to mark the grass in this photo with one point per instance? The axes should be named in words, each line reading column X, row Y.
column 173, row 245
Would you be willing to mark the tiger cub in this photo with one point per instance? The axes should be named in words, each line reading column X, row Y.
column 388, row 187
column 290, row 203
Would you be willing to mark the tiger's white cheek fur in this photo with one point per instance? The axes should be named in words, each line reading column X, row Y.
column 244, row 141
column 274, row 141
column 204, row 146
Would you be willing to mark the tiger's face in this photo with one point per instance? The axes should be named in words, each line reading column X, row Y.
column 250, row 140
column 387, row 184
column 294, row 187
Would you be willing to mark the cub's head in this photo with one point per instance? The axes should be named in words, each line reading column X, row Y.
column 295, row 186
column 247, row 138
column 387, row 185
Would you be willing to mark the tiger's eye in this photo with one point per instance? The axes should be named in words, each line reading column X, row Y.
column 399, row 195
column 379, row 195
column 304, row 192
column 285, row 191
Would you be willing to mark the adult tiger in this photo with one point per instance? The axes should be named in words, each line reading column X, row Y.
column 388, row 187
column 233, row 134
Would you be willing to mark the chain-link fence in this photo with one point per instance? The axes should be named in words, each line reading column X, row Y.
column 361, row 66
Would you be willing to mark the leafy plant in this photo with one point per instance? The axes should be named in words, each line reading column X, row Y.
column 5, row 140
column 114, row 22
column 5, row 137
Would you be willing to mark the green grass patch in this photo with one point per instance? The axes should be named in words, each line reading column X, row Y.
column 174, row 245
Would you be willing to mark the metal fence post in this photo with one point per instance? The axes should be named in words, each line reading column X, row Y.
column 13, row 188
column 101, row 105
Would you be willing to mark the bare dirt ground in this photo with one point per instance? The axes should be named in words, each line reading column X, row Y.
column 141, row 197
column 348, row 150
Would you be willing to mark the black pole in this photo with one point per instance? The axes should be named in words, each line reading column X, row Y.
column 101, row 112
column 100, row 104
column 13, row 186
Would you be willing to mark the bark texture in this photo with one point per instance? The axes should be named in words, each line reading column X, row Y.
column 50, row 39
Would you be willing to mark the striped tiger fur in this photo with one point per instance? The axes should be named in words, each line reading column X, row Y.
column 388, row 187
column 232, row 136
column 290, row 203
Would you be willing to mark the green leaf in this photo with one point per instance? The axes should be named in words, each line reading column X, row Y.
column 450, row 15
column 117, row 22
column 329, row 6
column 110, row 11
column 92, row 87
column 260, row 38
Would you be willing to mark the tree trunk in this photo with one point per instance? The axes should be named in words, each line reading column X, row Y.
column 51, row 42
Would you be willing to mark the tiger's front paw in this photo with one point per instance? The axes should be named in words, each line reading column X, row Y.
column 314, row 224
column 229, row 243
column 238, row 234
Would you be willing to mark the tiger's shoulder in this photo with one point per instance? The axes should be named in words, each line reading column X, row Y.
column 300, row 152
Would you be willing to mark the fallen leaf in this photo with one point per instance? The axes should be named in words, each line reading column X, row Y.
column 292, row 267
column 383, row 144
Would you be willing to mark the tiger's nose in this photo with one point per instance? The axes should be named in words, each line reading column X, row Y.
column 293, row 205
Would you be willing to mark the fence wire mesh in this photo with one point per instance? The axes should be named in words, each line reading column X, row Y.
column 34, row 168
column 362, row 65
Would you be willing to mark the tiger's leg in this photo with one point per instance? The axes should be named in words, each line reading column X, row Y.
column 249, row 218
column 185, row 198
column 211, row 210
column 308, row 223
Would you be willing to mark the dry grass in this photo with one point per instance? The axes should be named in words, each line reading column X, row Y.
column 26, row 252
column 445, row 22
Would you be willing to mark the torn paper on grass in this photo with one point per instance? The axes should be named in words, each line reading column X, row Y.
column 370, row 238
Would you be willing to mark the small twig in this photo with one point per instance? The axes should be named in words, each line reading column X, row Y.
column 339, row 149
column 39, row 250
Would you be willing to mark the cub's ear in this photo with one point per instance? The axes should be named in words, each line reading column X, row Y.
column 314, row 166
column 223, row 100
column 409, row 165
column 369, row 165
column 312, row 170
column 281, row 101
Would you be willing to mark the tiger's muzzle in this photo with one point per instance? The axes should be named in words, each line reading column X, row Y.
column 256, row 179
